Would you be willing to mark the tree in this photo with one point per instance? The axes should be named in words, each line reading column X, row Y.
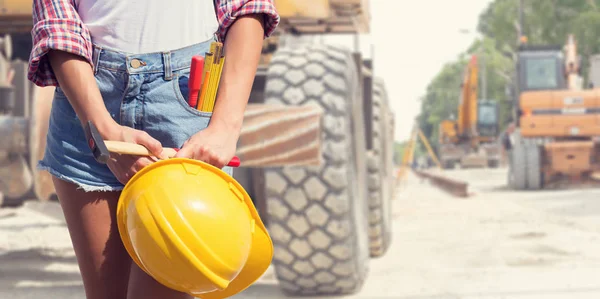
column 545, row 22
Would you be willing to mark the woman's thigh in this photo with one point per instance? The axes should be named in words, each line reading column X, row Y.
column 142, row 286
column 103, row 261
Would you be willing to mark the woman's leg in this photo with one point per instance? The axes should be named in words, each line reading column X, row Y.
column 142, row 286
column 103, row 261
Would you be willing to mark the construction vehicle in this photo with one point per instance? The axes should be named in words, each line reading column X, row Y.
column 326, row 204
column 555, row 138
column 409, row 152
column 435, row 176
column 471, row 140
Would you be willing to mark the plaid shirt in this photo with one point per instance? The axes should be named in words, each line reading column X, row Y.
column 57, row 26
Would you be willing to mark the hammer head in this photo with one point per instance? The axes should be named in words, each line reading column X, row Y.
column 96, row 143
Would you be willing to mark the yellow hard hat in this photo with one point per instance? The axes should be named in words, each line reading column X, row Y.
column 193, row 228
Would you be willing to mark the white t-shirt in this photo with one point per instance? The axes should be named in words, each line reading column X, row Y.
column 144, row 26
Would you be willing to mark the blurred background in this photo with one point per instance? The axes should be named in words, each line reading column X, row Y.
column 393, row 148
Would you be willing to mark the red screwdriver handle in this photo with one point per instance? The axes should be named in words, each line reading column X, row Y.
column 195, row 80
column 235, row 162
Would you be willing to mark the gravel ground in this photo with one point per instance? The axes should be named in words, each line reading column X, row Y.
column 494, row 244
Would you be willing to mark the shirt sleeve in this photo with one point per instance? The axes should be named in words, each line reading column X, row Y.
column 56, row 26
column 229, row 10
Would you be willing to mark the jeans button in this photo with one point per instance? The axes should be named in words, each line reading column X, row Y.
column 135, row 63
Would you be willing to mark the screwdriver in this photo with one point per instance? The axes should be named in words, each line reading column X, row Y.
column 195, row 81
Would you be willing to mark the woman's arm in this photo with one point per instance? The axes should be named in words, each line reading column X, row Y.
column 61, row 56
column 76, row 79
column 56, row 27
column 243, row 27
column 217, row 143
column 61, row 46
column 242, row 51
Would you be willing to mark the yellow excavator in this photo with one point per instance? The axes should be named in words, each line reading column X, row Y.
column 316, row 146
column 408, row 156
column 471, row 140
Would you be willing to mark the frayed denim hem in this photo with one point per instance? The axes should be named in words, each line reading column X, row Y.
column 85, row 187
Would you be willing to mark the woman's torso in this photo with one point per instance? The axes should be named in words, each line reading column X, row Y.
column 144, row 26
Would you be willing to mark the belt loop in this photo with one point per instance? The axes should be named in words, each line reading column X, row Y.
column 96, row 58
column 167, row 66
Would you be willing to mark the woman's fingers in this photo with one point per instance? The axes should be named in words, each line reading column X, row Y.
column 202, row 153
column 216, row 160
column 124, row 167
column 185, row 152
column 140, row 163
column 209, row 156
column 191, row 151
column 153, row 145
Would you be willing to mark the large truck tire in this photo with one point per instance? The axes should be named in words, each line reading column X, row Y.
column 392, row 152
column 318, row 215
column 517, row 172
column 534, row 166
column 380, row 210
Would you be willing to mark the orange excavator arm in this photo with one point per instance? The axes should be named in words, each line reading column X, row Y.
column 465, row 127
column 572, row 65
column 467, row 107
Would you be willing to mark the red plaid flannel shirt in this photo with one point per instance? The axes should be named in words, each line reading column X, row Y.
column 57, row 26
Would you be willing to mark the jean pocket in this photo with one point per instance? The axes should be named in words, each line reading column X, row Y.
column 180, row 85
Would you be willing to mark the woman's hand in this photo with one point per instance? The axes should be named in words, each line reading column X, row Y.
column 77, row 80
column 216, row 145
column 125, row 166
column 213, row 145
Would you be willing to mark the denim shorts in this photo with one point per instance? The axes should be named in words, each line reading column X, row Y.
column 147, row 92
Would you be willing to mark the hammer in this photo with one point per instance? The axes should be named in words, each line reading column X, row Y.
column 102, row 149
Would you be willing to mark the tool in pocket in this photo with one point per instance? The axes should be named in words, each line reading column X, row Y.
column 205, row 76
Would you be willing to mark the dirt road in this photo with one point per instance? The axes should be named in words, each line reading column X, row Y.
column 495, row 244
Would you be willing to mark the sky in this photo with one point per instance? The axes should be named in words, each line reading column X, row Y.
column 412, row 41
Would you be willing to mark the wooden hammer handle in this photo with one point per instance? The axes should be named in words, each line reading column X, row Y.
column 128, row 148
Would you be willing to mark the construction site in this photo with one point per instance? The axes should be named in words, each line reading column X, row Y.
column 488, row 190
